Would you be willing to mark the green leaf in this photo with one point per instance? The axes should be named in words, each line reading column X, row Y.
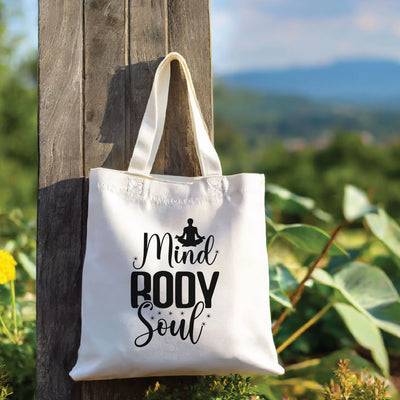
column 387, row 317
column 28, row 265
column 365, row 333
column 293, row 203
column 385, row 229
column 321, row 276
column 10, row 246
column 276, row 227
column 356, row 203
column 369, row 290
column 281, row 281
column 276, row 294
column 366, row 286
column 310, row 239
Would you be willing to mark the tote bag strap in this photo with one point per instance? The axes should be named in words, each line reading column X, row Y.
column 152, row 126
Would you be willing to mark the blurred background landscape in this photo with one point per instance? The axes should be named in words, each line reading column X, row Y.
column 309, row 94
column 310, row 124
column 305, row 92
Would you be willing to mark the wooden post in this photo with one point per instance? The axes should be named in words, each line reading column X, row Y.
column 97, row 60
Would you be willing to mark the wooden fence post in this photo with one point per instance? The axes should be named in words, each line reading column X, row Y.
column 97, row 60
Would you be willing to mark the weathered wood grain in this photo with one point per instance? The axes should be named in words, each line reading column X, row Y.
column 188, row 34
column 104, row 89
column 148, row 44
column 60, row 90
column 59, row 246
column 97, row 60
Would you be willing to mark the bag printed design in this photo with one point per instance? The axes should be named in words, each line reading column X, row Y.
column 175, row 276
column 185, row 286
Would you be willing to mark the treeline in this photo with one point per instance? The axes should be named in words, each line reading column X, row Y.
column 319, row 174
column 280, row 116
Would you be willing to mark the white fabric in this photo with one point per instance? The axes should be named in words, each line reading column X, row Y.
column 175, row 278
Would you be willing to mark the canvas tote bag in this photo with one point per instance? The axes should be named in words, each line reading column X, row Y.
column 175, row 277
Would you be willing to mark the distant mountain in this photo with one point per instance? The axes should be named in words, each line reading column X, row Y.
column 367, row 82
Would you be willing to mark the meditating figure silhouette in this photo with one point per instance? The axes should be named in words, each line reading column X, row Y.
column 190, row 236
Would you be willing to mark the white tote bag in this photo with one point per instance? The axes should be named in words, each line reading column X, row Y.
column 175, row 278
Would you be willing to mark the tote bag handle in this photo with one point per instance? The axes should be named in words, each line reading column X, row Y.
column 152, row 126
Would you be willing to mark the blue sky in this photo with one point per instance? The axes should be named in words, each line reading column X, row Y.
column 21, row 17
column 257, row 34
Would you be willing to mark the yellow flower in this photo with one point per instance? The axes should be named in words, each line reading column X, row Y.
column 7, row 267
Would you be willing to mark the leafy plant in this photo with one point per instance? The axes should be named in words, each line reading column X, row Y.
column 350, row 385
column 17, row 302
column 364, row 297
column 232, row 387
column 4, row 392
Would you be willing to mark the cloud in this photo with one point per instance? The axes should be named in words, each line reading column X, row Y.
column 367, row 22
column 396, row 29
column 256, row 34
